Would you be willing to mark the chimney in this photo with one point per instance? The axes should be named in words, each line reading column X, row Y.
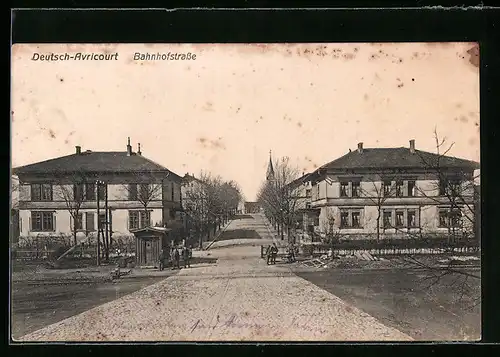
column 129, row 148
column 78, row 150
column 360, row 148
column 139, row 149
column 412, row 146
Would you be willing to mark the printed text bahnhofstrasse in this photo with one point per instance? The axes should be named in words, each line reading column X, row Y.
column 164, row 56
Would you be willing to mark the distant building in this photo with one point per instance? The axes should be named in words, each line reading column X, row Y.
column 398, row 190
column 270, row 169
column 252, row 207
column 49, row 187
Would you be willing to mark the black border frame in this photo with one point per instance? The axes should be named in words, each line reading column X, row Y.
column 478, row 24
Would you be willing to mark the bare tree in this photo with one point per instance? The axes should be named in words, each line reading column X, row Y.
column 72, row 192
column 14, row 192
column 457, row 190
column 209, row 202
column 146, row 189
column 332, row 235
column 279, row 197
column 381, row 189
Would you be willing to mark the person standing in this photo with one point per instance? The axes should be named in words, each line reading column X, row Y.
column 161, row 260
column 268, row 254
column 177, row 259
column 185, row 257
column 274, row 253
column 292, row 252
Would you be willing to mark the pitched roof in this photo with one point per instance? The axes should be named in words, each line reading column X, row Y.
column 94, row 161
column 270, row 169
column 396, row 158
column 189, row 178
column 300, row 180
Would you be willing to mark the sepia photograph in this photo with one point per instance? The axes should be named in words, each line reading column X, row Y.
column 245, row 192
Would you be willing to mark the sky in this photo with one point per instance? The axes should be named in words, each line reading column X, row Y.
column 225, row 110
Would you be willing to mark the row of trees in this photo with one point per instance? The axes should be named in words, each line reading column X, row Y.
column 280, row 197
column 209, row 202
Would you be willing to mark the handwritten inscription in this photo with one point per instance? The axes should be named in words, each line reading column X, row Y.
column 234, row 322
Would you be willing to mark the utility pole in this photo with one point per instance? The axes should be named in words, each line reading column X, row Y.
column 107, row 220
column 98, row 228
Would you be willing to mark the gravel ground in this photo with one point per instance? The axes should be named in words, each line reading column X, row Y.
column 239, row 299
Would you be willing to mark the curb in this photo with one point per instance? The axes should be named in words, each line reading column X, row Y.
column 217, row 237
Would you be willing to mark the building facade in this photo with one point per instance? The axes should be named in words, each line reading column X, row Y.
column 393, row 192
column 61, row 195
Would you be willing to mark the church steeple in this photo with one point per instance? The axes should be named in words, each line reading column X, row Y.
column 270, row 169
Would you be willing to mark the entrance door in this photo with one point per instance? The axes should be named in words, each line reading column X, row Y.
column 149, row 252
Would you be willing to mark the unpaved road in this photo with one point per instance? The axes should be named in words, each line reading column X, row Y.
column 239, row 299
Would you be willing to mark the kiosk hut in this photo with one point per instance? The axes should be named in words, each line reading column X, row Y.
column 149, row 241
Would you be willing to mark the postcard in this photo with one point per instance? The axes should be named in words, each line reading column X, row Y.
column 245, row 192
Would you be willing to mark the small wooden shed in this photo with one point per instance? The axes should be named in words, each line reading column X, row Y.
column 148, row 243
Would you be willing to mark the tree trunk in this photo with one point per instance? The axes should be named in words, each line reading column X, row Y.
column 378, row 227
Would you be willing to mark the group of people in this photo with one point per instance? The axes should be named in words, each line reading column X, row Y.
column 272, row 252
column 174, row 257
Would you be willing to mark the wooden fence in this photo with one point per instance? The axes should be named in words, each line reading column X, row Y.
column 388, row 247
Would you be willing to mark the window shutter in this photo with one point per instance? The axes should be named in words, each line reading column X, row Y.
column 29, row 224
column 55, row 216
column 71, row 223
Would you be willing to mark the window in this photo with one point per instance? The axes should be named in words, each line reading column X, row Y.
column 90, row 192
column 145, row 219
column 399, row 219
column 343, row 189
column 316, row 221
column 101, row 222
column 102, row 191
column 308, row 204
column 78, row 221
column 387, row 188
column 411, row 188
column 456, row 218
column 89, row 222
column 133, row 219
column 308, row 192
column 173, row 193
column 443, row 218
column 454, row 187
column 442, row 187
column 144, row 192
column 411, row 217
column 355, row 189
column 41, row 192
column 356, row 220
column 78, row 192
column 344, row 219
column 387, row 218
column 42, row 221
column 399, row 188
column 132, row 192
column 350, row 218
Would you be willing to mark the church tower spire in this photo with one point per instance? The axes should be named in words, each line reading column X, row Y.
column 270, row 169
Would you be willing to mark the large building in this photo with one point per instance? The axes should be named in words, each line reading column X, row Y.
column 58, row 195
column 393, row 192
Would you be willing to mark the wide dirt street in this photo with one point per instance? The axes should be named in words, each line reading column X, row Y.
column 240, row 298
